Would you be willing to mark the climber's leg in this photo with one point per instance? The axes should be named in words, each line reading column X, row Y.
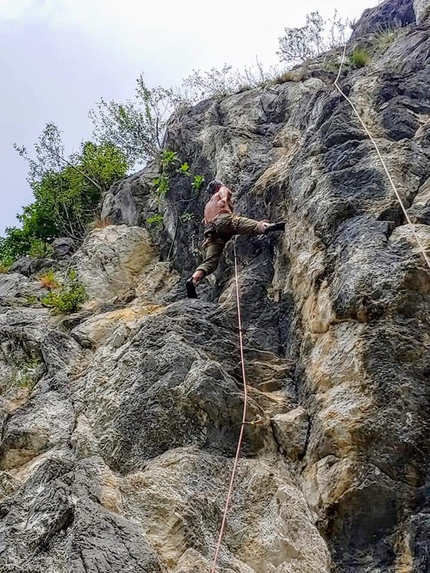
column 214, row 249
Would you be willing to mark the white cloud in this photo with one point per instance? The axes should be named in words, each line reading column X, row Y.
column 21, row 9
column 179, row 36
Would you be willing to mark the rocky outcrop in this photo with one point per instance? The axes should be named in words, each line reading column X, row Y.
column 422, row 10
column 29, row 266
column 63, row 247
column 389, row 14
column 120, row 423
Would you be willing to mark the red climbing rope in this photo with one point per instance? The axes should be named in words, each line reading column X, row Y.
column 242, row 427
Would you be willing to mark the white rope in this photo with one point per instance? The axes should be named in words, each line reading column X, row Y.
column 375, row 145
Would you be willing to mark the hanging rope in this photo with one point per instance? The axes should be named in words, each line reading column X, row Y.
column 375, row 145
column 242, row 427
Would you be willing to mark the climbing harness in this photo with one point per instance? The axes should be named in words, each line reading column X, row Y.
column 375, row 145
column 210, row 230
column 242, row 427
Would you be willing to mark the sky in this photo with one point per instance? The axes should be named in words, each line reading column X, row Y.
column 59, row 57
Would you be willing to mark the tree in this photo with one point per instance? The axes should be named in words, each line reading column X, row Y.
column 67, row 193
column 136, row 128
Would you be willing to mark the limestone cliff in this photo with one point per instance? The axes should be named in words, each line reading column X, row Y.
column 115, row 455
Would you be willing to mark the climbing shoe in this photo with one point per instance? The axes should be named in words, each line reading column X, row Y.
column 191, row 288
column 274, row 227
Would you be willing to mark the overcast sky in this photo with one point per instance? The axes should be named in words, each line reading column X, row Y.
column 58, row 57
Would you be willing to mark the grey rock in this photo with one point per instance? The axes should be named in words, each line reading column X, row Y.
column 128, row 201
column 422, row 10
column 419, row 212
column 104, row 542
column 29, row 266
column 63, row 247
column 120, row 455
column 291, row 432
column 111, row 259
column 388, row 14
column 15, row 286
column 44, row 422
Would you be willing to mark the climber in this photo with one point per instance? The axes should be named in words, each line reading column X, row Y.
column 220, row 226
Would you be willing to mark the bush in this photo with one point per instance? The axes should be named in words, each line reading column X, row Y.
column 359, row 58
column 99, row 223
column 385, row 37
column 27, row 373
column 187, row 217
column 5, row 263
column 155, row 220
column 135, row 127
column 296, row 75
column 197, row 182
column 40, row 250
column 68, row 298
column 202, row 85
column 67, row 193
column 49, row 280
column 311, row 40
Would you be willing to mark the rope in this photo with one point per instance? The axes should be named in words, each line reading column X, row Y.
column 375, row 145
column 242, row 428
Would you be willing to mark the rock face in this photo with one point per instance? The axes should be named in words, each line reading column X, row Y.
column 63, row 247
column 119, row 424
column 422, row 10
column 389, row 14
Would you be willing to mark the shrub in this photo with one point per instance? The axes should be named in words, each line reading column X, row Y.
column 68, row 298
column 314, row 38
column 187, row 217
column 101, row 223
column 201, row 85
column 135, row 127
column 40, row 249
column 155, row 220
column 67, row 193
column 26, row 376
column 359, row 58
column 332, row 64
column 49, row 280
column 296, row 75
column 385, row 37
column 168, row 159
column 184, row 169
column 162, row 187
column 5, row 263
column 197, row 182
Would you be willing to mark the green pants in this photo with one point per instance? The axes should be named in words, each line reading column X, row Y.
column 227, row 226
